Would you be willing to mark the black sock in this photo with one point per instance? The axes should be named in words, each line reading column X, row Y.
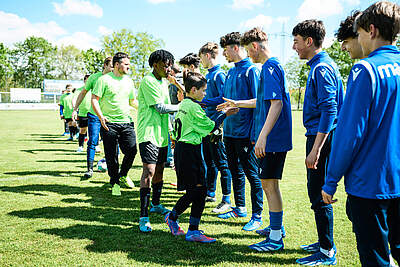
column 157, row 188
column 89, row 165
column 66, row 127
column 81, row 139
column 144, row 202
column 71, row 131
column 193, row 227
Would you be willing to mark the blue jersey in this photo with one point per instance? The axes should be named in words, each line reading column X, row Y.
column 324, row 95
column 215, row 83
column 273, row 86
column 366, row 147
column 241, row 84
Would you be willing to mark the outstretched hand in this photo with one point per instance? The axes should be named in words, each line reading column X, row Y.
column 230, row 111
column 228, row 103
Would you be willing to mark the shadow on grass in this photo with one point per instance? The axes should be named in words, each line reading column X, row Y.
column 46, row 135
column 34, row 151
column 160, row 247
column 63, row 160
column 47, row 173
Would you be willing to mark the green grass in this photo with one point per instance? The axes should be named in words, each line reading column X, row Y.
column 50, row 217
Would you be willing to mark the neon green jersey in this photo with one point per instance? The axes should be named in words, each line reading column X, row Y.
column 152, row 126
column 67, row 103
column 91, row 81
column 86, row 103
column 114, row 93
column 191, row 123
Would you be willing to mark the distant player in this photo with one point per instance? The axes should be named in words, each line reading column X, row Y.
column 84, row 108
column 191, row 125
column 66, row 105
column 66, row 130
column 322, row 101
column 368, row 151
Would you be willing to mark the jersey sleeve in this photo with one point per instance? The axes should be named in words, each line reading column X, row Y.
column 220, row 82
column 201, row 123
column 151, row 92
column 253, row 79
column 326, row 94
column 99, row 87
column 90, row 83
column 351, row 127
column 273, row 84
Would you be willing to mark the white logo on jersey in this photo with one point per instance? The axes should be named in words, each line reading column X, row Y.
column 384, row 70
column 322, row 72
column 355, row 73
column 208, row 80
column 245, row 148
column 273, row 94
column 239, row 75
column 271, row 70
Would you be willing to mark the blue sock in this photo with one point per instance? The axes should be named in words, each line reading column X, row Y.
column 275, row 220
column 226, row 198
column 210, row 193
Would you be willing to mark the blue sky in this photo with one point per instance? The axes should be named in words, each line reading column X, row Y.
column 184, row 25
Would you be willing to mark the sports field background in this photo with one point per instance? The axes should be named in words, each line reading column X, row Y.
column 50, row 217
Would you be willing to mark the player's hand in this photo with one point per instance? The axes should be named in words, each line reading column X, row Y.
column 74, row 115
column 171, row 79
column 259, row 149
column 228, row 103
column 103, row 121
column 230, row 111
column 328, row 199
column 312, row 159
column 172, row 143
column 61, row 117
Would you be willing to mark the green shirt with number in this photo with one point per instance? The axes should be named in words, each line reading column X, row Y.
column 191, row 123
column 91, row 81
column 114, row 93
column 86, row 103
column 152, row 126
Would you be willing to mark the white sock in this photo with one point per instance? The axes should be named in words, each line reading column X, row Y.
column 329, row 253
column 242, row 209
column 275, row 235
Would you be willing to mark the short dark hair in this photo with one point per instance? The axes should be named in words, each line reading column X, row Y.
column 190, row 59
column 211, row 48
column 193, row 79
column 383, row 15
column 118, row 57
column 68, row 85
column 346, row 28
column 253, row 35
column 311, row 28
column 176, row 68
column 107, row 60
column 161, row 55
column 86, row 76
column 232, row 38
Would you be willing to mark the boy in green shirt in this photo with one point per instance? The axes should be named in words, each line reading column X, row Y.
column 111, row 98
column 84, row 107
column 67, row 104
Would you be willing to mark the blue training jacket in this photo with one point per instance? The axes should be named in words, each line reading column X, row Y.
column 366, row 145
column 241, row 83
column 324, row 95
column 215, row 84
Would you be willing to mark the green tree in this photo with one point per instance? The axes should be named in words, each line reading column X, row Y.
column 93, row 60
column 33, row 61
column 342, row 59
column 69, row 63
column 297, row 71
column 6, row 70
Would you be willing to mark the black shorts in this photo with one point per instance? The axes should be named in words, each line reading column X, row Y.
column 271, row 166
column 82, row 122
column 189, row 166
column 68, row 120
column 152, row 154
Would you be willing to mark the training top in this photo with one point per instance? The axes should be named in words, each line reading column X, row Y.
column 152, row 126
column 114, row 93
column 67, row 104
column 273, row 86
column 215, row 85
column 191, row 123
column 366, row 146
column 241, row 84
column 86, row 103
column 324, row 95
column 90, row 82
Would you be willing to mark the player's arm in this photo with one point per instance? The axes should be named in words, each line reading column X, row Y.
column 181, row 88
column 78, row 101
column 247, row 103
column 61, row 111
column 165, row 108
column 97, row 110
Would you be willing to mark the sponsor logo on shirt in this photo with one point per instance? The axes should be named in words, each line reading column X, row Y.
column 245, row 149
column 271, row 70
column 384, row 70
column 323, row 72
column 356, row 72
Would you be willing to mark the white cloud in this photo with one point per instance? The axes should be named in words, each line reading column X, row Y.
column 246, row 4
column 82, row 40
column 78, row 7
column 319, row 9
column 260, row 21
column 104, row 30
column 160, row 1
column 352, row 2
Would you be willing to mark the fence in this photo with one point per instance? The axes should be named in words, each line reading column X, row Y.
column 47, row 101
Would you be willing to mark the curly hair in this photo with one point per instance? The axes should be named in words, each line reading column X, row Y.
column 161, row 55
column 190, row 59
column 346, row 28
column 311, row 28
column 253, row 35
column 193, row 79
column 232, row 38
column 211, row 48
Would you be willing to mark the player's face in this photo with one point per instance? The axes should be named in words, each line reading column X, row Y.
column 300, row 46
column 352, row 46
column 204, row 60
column 68, row 90
column 108, row 67
column 163, row 68
column 364, row 41
column 124, row 66
column 229, row 53
column 199, row 94
column 252, row 53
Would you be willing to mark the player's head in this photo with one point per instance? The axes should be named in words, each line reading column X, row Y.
column 191, row 61
column 255, row 42
column 195, row 85
column 108, row 65
column 175, row 69
column 121, row 63
column 85, row 78
column 161, row 62
column 68, row 88
column 208, row 53
column 231, row 45
column 349, row 37
column 380, row 22
column 308, row 36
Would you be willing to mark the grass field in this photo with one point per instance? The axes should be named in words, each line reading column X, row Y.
column 50, row 217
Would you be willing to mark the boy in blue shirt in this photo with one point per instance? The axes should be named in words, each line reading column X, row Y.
column 322, row 101
column 241, row 84
column 213, row 147
column 367, row 153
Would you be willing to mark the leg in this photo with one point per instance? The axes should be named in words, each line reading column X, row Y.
column 219, row 155
column 147, row 174
column 394, row 228
column 211, row 174
column 110, row 142
column 128, row 147
column 93, row 130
